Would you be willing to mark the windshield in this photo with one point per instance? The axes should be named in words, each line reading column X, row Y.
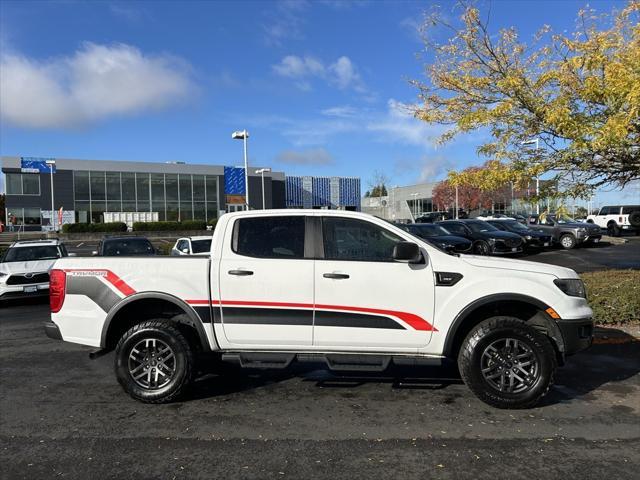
column 480, row 226
column 30, row 254
column 513, row 225
column 128, row 247
column 428, row 230
column 563, row 219
column 200, row 246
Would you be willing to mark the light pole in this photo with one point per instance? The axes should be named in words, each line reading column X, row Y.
column 537, row 142
column 244, row 135
column 262, row 171
column 52, row 220
column 456, row 202
column 415, row 205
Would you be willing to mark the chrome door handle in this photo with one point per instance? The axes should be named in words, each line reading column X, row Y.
column 241, row 273
column 336, row 276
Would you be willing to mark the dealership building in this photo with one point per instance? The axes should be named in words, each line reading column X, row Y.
column 86, row 189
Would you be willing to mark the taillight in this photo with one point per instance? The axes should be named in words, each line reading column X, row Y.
column 57, row 289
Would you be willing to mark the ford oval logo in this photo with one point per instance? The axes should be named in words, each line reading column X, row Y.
column 28, row 275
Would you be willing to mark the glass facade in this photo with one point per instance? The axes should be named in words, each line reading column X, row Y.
column 23, row 183
column 173, row 196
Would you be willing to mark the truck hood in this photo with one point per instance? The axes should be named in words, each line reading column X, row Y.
column 520, row 265
column 26, row 267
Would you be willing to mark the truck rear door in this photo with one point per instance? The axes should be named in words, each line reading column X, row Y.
column 266, row 283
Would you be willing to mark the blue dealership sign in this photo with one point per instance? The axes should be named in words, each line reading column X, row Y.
column 35, row 165
column 234, row 181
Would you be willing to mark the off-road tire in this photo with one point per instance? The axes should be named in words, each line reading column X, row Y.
column 165, row 332
column 568, row 241
column 613, row 229
column 634, row 219
column 492, row 330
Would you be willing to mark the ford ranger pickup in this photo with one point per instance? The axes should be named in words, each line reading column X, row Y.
column 346, row 289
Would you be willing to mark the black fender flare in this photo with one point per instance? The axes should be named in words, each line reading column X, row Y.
column 549, row 323
column 194, row 318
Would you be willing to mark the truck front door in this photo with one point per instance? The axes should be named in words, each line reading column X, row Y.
column 364, row 299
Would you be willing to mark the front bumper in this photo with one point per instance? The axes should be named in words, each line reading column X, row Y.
column 52, row 330
column 589, row 239
column 502, row 249
column 12, row 292
column 577, row 334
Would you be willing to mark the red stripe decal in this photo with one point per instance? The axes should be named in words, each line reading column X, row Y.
column 122, row 286
column 416, row 322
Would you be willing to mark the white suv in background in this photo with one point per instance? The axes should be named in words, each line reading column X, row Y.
column 192, row 246
column 24, row 268
column 617, row 218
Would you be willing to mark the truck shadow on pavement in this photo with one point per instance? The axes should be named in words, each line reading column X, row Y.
column 603, row 368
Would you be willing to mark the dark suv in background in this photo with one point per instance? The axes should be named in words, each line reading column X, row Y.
column 531, row 238
column 487, row 239
column 438, row 236
column 566, row 231
column 125, row 247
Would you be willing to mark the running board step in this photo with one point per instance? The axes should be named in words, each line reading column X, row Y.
column 260, row 359
column 367, row 363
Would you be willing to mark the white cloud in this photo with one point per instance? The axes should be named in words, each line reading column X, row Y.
column 315, row 156
column 293, row 66
column 399, row 125
column 285, row 21
column 96, row 82
column 342, row 111
column 342, row 73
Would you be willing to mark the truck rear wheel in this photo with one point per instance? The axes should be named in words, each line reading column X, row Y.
column 507, row 363
column 154, row 362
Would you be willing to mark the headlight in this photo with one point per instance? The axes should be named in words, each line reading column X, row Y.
column 573, row 287
column 528, row 237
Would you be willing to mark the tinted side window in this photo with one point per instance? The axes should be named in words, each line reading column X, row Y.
column 604, row 211
column 270, row 237
column 630, row 208
column 182, row 244
column 455, row 228
column 350, row 239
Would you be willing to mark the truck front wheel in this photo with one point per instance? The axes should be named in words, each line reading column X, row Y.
column 507, row 363
column 154, row 362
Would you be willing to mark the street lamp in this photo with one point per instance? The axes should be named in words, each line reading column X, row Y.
column 52, row 163
column 262, row 171
column 537, row 143
column 244, row 135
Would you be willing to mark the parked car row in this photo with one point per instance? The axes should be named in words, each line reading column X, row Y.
column 505, row 236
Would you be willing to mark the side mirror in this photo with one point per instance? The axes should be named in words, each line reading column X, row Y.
column 94, row 253
column 185, row 250
column 407, row 252
column 72, row 254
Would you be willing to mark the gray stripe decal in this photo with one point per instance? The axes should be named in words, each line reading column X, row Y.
column 267, row 316
column 93, row 288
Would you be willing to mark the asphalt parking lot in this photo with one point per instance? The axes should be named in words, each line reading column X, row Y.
column 64, row 415
column 590, row 258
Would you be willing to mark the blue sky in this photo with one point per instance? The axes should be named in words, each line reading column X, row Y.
column 320, row 85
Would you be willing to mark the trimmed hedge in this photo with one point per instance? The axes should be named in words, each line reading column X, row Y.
column 614, row 296
column 169, row 226
column 94, row 227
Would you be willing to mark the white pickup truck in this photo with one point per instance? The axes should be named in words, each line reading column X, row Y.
column 342, row 288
